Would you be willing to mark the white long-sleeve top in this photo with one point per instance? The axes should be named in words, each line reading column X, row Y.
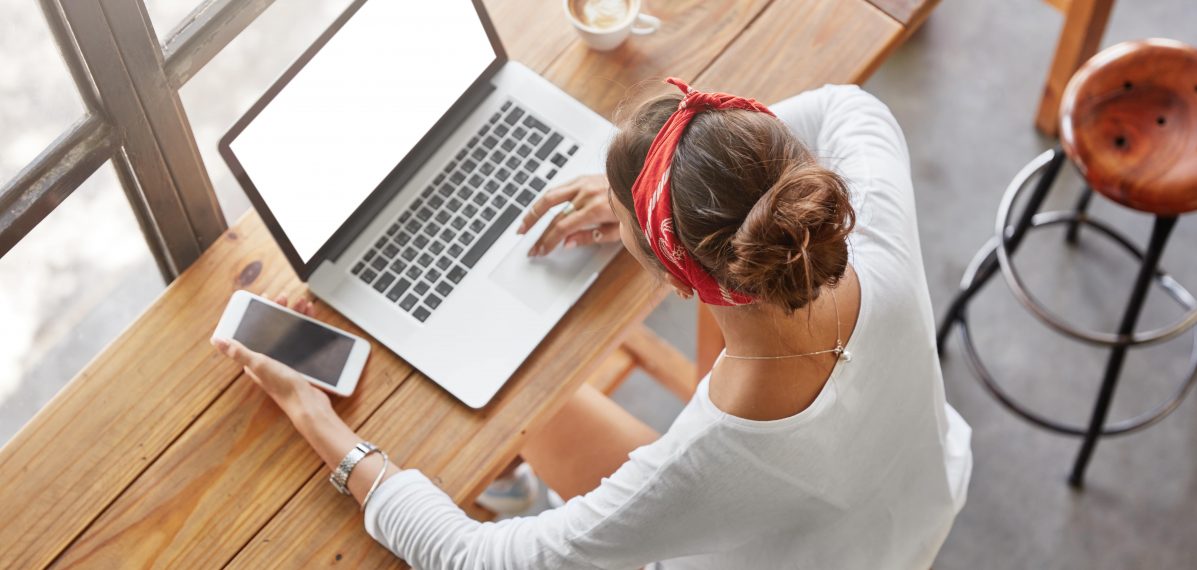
column 870, row 476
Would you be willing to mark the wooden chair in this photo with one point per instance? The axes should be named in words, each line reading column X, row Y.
column 1084, row 24
column 643, row 349
column 640, row 348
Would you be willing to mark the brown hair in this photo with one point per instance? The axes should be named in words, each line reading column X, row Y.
column 750, row 203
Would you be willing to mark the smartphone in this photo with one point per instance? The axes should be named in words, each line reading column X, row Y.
column 328, row 357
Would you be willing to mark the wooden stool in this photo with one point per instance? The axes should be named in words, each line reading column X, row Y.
column 1129, row 124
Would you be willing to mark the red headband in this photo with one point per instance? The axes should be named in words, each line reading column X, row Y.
column 651, row 194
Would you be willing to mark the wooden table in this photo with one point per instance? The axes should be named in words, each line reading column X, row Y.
column 160, row 454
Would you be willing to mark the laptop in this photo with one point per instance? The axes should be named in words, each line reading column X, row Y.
column 393, row 162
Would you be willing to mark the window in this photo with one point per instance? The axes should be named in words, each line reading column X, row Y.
column 38, row 99
column 70, row 287
column 105, row 194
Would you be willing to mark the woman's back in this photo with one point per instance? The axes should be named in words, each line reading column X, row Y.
column 870, row 475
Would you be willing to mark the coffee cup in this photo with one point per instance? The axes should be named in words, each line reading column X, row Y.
column 605, row 24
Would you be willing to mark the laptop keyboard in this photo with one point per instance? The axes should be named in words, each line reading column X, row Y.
column 426, row 251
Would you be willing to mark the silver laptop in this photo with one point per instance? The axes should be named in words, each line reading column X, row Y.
column 393, row 162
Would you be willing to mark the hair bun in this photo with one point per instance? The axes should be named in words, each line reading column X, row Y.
column 794, row 239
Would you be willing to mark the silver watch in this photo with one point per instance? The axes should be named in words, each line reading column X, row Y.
column 340, row 476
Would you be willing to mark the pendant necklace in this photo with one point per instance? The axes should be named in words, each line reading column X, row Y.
column 839, row 350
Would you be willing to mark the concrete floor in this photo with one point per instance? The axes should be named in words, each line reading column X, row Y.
column 965, row 89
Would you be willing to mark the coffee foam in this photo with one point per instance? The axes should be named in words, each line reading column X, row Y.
column 602, row 13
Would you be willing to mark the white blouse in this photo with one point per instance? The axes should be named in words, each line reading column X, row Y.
column 870, row 476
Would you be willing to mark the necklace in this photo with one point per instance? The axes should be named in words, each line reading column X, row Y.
column 839, row 350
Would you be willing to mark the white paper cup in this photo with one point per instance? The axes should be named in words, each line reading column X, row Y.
column 609, row 38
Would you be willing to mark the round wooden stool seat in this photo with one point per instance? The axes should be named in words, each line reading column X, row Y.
column 1128, row 120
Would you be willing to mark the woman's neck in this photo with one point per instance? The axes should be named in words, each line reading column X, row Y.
column 777, row 388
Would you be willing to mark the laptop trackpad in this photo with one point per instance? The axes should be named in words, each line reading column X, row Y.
column 540, row 281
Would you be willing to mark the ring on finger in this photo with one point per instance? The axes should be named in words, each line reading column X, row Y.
column 568, row 209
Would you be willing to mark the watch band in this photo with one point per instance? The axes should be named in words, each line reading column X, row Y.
column 340, row 476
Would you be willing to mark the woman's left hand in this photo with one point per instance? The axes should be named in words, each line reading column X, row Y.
column 290, row 390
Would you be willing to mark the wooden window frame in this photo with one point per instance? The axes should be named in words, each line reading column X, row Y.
column 129, row 83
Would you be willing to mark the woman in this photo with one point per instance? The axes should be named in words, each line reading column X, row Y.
column 821, row 438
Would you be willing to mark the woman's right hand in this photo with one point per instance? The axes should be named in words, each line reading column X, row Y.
column 592, row 220
column 293, row 394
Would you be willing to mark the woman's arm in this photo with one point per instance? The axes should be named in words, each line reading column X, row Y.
column 332, row 439
column 654, row 507
column 638, row 515
column 309, row 409
column 854, row 134
column 836, row 122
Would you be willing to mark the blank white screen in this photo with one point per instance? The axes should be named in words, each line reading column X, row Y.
column 357, row 108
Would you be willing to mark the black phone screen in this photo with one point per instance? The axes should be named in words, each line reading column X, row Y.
column 305, row 346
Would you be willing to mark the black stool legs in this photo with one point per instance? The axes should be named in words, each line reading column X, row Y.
column 1011, row 227
column 1159, row 238
column 1081, row 209
column 990, row 266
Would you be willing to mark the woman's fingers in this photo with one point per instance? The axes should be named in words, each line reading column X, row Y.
column 269, row 373
column 235, row 350
column 563, row 225
column 591, row 208
column 606, row 233
column 542, row 206
column 303, row 306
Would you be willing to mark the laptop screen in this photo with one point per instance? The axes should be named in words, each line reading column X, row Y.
column 328, row 139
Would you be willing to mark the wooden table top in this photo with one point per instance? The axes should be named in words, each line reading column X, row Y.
column 159, row 454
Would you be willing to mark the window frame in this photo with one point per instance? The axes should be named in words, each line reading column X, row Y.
column 129, row 83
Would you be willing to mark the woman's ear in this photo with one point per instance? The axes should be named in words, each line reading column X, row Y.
column 683, row 290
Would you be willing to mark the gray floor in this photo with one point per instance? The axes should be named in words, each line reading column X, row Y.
column 965, row 89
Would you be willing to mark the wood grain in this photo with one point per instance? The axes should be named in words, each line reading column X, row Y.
column 800, row 45
column 296, row 535
column 909, row 13
column 795, row 46
column 1061, row 5
column 114, row 419
column 188, row 466
column 533, row 33
column 458, row 449
column 1129, row 123
column 693, row 33
column 224, row 466
column 211, row 490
